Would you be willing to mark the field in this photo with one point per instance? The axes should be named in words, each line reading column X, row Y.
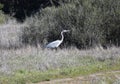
column 32, row 65
column 89, row 54
column 29, row 64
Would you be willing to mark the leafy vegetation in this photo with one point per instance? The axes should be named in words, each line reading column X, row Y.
column 2, row 16
column 91, row 23
column 21, row 9
column 1, row 6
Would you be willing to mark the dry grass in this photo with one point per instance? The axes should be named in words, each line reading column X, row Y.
column 26, row 64
column 31, row 58
column 10, row 33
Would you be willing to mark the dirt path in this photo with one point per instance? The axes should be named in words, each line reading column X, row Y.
column 98, row 78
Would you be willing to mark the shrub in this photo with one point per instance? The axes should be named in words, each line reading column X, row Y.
column 2, row 16
column 22, row 8
column 1, row 6
column 91, row 23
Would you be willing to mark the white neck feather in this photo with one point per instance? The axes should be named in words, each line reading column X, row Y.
column 62, row 36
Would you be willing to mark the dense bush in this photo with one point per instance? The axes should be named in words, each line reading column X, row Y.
column 22, row 8
column 91, row 23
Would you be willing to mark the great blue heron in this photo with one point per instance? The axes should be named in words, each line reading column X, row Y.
column 56, row 43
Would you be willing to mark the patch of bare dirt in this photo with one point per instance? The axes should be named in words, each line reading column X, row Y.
column 98, row 78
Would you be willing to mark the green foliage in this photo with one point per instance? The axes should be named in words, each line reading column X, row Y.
column 2, row 17
column 21, row 9
column 91, row 23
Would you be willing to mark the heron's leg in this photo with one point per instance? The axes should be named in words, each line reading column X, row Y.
column 56, row 48
column 53, row 49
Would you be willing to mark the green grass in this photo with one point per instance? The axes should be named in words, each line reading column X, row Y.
column 89, row 66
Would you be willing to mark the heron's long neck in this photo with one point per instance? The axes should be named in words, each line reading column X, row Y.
column 62, row 36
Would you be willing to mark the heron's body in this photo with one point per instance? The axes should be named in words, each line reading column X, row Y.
column 56, row 43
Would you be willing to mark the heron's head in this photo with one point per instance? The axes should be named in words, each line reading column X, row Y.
column 66, row 31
